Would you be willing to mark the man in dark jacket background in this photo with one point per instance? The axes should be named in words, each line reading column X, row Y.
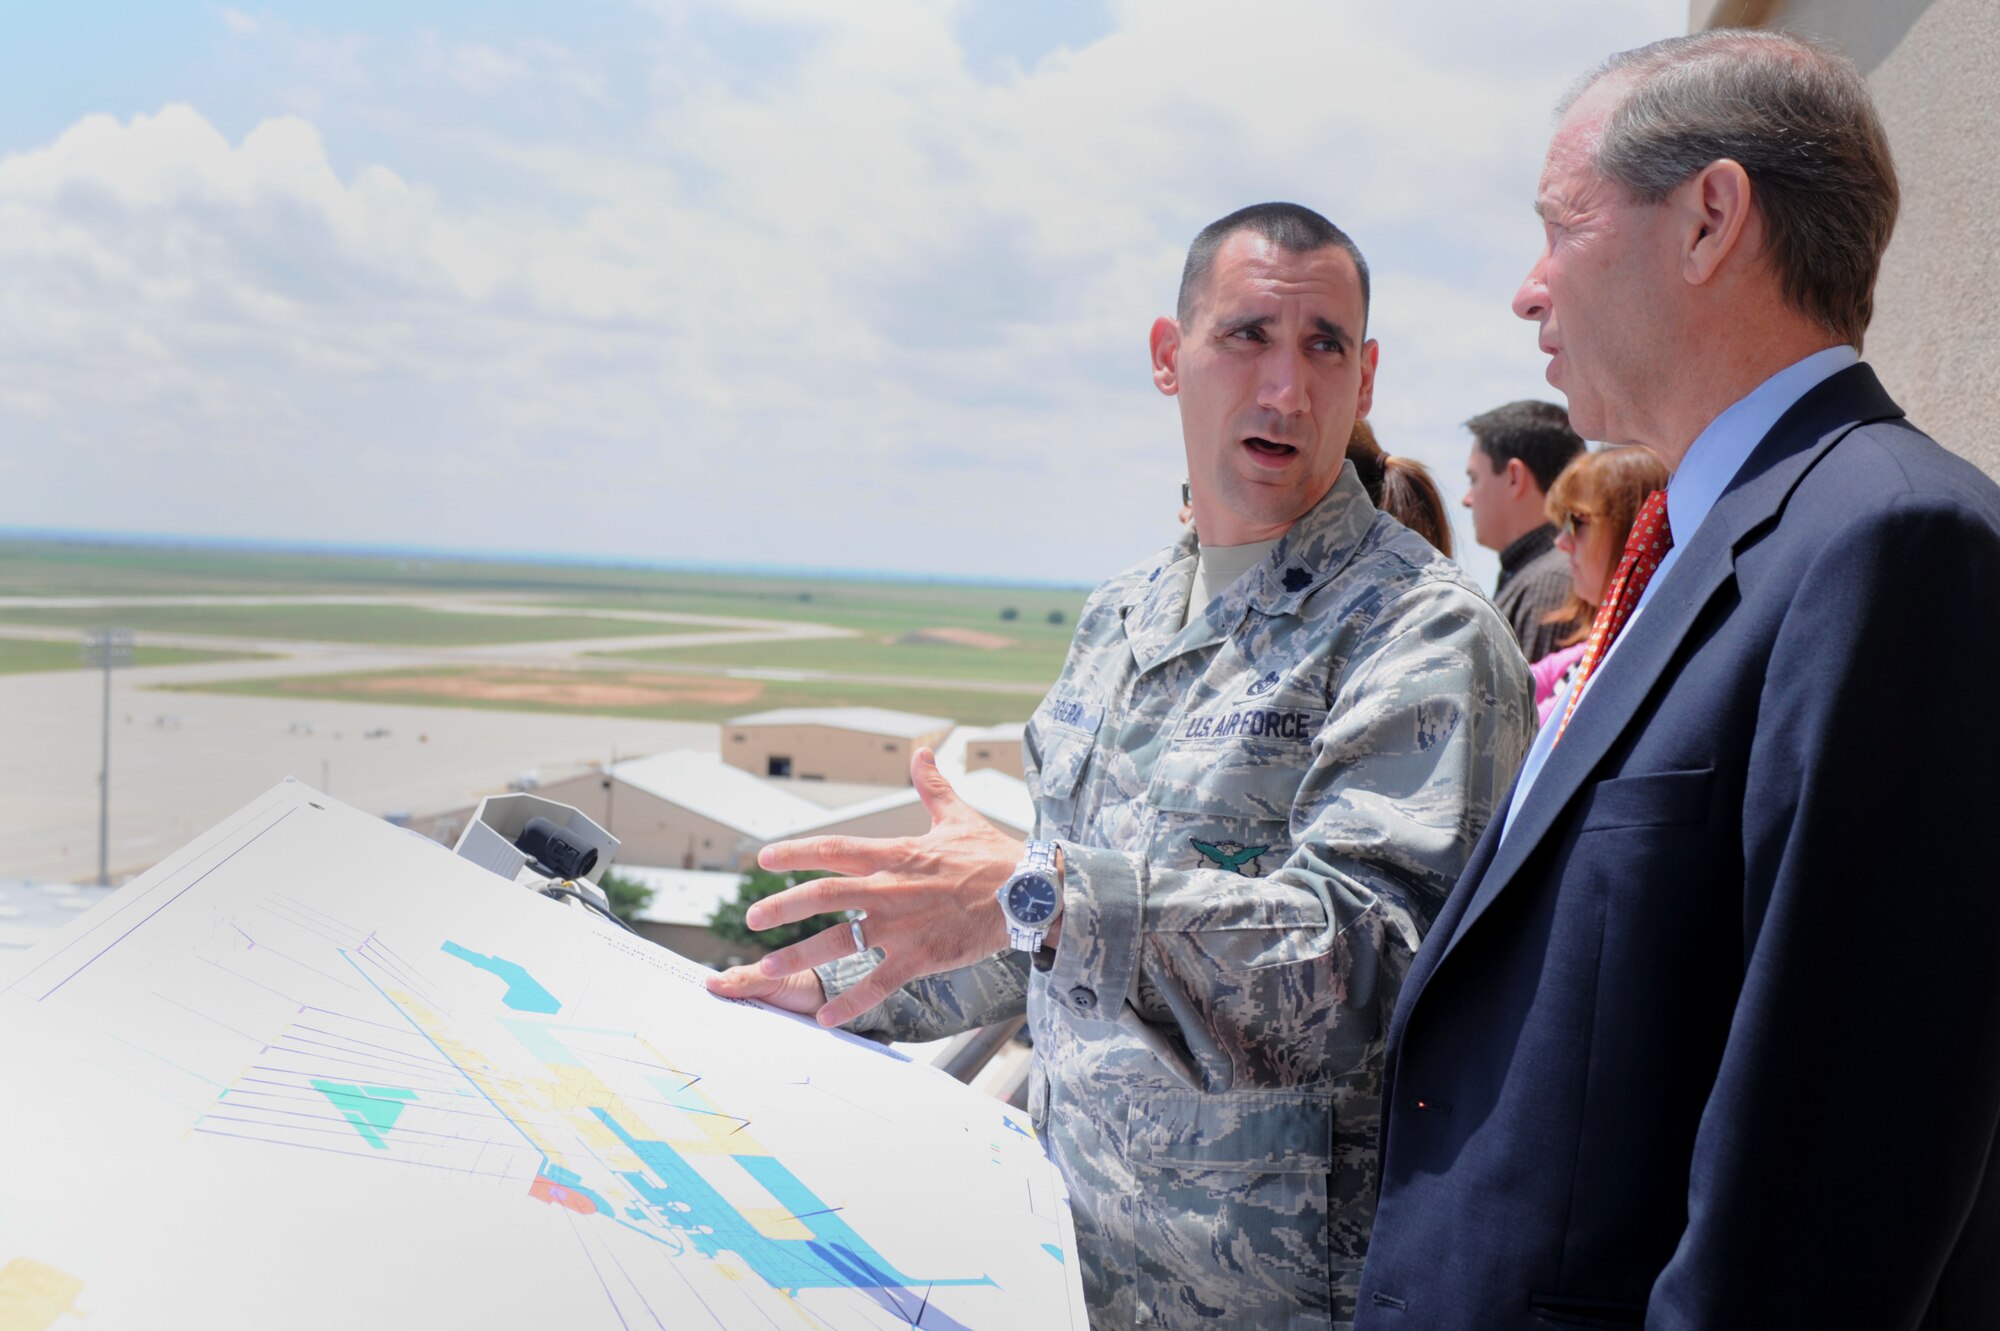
column 1517, row 452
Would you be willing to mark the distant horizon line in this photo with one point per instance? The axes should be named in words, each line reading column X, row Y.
column 268, row 545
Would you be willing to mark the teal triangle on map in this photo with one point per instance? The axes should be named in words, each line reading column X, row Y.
column 372, row 1110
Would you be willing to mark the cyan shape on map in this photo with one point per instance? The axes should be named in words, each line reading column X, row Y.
column 524, row 992
column 830, row 1256
column 371, row 1110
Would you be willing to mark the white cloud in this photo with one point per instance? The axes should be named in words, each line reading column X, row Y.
column 855, row 305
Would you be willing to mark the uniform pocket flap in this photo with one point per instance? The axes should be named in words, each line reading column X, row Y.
column 1061, row 767
column 1258, row 780
column 1656, row 799
column 1266, row 1132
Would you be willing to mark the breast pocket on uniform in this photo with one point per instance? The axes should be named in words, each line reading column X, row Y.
column 1062, row 735
column 1227, row 783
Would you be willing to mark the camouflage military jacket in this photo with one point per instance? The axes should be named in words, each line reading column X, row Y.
column 1260, row 812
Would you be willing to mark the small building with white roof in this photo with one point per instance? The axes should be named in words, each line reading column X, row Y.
column 692, row 810
column 995, row 747
column 684, row 901
column 870, row 745
column 695, row 811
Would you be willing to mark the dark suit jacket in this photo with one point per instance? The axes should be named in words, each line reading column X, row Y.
column 1713, row 1040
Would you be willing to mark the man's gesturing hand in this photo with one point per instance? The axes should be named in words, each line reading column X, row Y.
column 930, row 903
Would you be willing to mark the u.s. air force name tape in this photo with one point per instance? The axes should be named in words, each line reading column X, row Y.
column 1253, row 721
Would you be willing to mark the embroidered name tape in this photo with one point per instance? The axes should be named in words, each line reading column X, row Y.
column 1253, row 721
column 1076, row 714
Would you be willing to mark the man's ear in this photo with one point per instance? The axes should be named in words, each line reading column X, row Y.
column 1371, row 352
column 1166, row 347
column 1518, row 478
column 1714, row 215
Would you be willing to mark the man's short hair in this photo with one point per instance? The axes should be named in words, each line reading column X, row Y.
column 1799, row 121
column 1290, row 226
column 1538, row 433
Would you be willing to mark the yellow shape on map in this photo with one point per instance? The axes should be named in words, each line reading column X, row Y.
column 775, row 1222
column 34, row 1294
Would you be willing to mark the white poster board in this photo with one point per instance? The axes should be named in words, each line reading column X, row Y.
column 313, row 1071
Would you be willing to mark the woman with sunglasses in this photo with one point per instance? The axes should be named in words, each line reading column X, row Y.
column 1592, row 504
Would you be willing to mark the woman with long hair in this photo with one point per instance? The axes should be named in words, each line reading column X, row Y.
column 1401, row 487
column 1593, row 504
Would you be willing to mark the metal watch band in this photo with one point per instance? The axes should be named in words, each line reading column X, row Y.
column 1036, row 857
column 1023, row 939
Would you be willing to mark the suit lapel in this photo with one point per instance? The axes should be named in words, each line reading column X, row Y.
column 1615, row 696
column 1754, row 498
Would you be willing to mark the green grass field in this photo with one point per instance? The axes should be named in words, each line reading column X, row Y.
column 22, row 655
column 648, row 695
column 402, row 625
column 868, row 607
column 903, row 629
column 1024, row 662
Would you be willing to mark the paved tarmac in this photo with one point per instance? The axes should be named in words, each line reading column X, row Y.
column 181, row 762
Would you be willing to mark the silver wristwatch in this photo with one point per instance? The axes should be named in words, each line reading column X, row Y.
column 1030, row 898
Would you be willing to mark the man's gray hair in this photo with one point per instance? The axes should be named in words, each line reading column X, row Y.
column 1800, row 122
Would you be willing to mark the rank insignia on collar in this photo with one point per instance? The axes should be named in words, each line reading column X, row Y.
column 1231, row 855
column 1297, row 579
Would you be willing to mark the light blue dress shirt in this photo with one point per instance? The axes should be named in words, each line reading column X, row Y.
column 1710, row 464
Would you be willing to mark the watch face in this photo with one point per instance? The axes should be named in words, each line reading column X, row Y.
column 1031, row 899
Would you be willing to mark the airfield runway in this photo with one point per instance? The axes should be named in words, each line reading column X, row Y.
column 182, row 761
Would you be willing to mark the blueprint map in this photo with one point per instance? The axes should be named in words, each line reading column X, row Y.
column 316, row 1072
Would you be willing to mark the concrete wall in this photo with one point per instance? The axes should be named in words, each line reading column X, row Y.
column 651, row 830
column 698, row 944
column 1000, row 755
column 824, row 753
column 904, row 820
column 1934, row 66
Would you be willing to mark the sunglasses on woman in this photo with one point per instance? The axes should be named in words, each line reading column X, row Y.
column 1572, row 524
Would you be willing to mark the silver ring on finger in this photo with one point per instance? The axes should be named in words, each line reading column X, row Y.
column 854, row 928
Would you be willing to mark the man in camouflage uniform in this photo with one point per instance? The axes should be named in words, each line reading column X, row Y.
column 1260, row 800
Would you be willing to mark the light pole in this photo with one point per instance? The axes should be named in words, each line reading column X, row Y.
column 610, row 789
column 106, row 648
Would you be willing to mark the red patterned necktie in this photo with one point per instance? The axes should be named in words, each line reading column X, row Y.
column 1648, row 544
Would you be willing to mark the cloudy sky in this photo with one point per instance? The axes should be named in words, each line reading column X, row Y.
column 861, row 285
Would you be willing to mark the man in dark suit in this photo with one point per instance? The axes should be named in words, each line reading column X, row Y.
column 1708, row 1034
